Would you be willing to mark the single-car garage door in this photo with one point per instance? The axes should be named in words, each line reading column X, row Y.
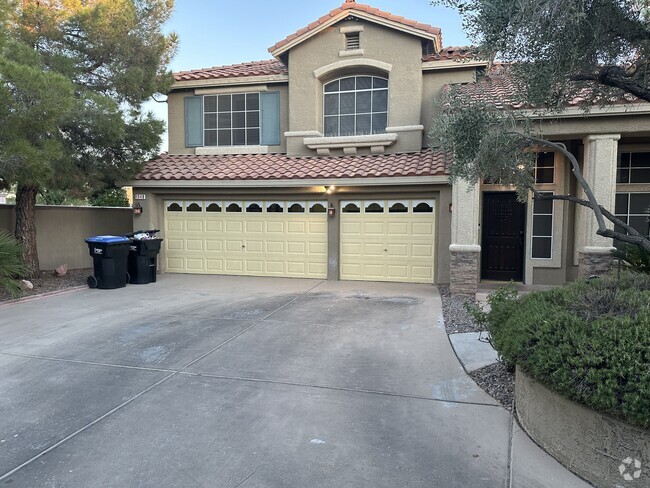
column 254, row 238
column 388, row 240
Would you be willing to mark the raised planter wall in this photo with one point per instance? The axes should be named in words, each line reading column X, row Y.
column 591, row 444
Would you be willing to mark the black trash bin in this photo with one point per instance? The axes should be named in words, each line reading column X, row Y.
column 110, row 256
column 143, row 258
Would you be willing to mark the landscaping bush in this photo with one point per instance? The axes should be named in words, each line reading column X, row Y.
column 11, row 265
column 589, row 341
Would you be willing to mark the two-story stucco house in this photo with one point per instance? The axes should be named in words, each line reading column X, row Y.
column 315, row 164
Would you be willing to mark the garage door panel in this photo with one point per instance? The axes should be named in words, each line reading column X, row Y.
column 175, row 244
column 194, row 264
column 194, row 244
column 254, row 246
column 213, row 246
column 214, row 226
column 275, row 247
column 387, row 246
column 214, row 265
column 296, row 248
column 247, row 243
column 194, row 225
column 255, row 227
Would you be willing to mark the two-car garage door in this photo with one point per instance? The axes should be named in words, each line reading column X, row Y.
column 380, row 240
column 254, row 238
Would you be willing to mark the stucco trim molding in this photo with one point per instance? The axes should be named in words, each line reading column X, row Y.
column 226, row 89
column 406, row 128
column 603, row 137
column 375, row 141
column 240, row 80
column 451, row 64
column 349, row 63
column 596, row 250
column 464, row 248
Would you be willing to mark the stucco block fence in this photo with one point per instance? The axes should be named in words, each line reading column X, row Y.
column 60, row 231
column 601, row 449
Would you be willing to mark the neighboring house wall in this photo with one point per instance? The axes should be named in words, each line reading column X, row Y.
column 60, row 231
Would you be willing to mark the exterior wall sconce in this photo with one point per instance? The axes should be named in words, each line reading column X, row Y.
column 137, row 208
column 331, row 211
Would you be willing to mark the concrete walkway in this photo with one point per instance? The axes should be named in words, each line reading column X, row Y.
column 245, row 382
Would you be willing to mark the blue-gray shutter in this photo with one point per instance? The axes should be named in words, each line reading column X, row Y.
column 270, row 118
column 193, row 121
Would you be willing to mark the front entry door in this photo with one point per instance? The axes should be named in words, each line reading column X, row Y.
column 504, row 227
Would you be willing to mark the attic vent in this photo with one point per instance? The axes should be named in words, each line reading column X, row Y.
column 352, row 41
column 427, row 48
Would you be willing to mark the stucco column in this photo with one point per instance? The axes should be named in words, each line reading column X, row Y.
column 599, row 169
column 464, row 249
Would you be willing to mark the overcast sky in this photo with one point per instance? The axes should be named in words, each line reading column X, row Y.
column 220, row 32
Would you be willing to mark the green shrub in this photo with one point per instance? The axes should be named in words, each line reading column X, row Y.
column 589, row 341
column 111, row 197
column 11, row 265
column 634, row 257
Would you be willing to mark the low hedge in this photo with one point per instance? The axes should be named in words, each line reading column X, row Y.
column 589, row 341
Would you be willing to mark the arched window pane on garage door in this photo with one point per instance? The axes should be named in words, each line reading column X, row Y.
column 355, row 105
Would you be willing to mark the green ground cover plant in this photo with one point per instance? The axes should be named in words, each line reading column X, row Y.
column 589, row 340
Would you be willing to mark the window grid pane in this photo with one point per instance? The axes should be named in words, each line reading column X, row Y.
column 633, row 168
column 634, row 210
column 542, row 235
column 356, row 105
column 232, row 120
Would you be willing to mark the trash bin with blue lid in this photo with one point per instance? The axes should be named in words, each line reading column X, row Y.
column 110, row 261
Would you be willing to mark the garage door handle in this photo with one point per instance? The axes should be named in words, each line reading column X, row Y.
column 385, row 250
column 243, row 247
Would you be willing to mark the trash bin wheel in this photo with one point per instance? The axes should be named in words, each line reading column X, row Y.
column 92, row 282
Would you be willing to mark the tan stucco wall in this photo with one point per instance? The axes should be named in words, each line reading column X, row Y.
column 433, row 83
column 176, row 115
column 403, row 52
column 153, row 211
column 60, row 231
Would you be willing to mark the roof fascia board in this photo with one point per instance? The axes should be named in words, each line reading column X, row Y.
column 390, row 181
column 363, row 15
column 233, row 80
column 576, row 112
column 451, row 64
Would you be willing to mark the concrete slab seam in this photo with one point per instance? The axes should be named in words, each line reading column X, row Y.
column 85, row 427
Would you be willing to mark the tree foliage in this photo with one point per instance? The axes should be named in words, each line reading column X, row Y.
column 561, row 48
column 73, row 77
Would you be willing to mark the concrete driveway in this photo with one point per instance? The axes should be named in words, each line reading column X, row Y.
column 242, row 382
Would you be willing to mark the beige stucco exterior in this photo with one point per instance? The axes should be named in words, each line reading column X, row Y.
column 319, row 56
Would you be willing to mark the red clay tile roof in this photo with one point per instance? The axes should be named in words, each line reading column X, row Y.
column 452, row 53
column 351, row 5
column 253, row 68
column 504, row 91
column 229, row 167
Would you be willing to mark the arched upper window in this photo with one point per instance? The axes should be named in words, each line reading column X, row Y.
column 355, row 105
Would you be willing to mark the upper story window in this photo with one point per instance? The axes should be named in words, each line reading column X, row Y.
column 633, row 167
column 545, row 168
column 232, row 120
column 356, row 105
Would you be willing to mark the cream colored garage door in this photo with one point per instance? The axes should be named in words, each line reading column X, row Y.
column 388, row 240
column 271, row 238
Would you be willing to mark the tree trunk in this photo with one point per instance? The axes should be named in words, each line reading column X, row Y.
column 26, row 226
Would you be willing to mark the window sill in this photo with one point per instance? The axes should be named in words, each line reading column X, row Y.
column 215, row 150
column 352, row 52
column 376, row 142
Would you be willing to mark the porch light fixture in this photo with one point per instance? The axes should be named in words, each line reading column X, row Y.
column 137, row 208
column 330, row 190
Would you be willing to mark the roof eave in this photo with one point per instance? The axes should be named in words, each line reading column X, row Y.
column 228, row 81
column 293, row 183
column 435, row 37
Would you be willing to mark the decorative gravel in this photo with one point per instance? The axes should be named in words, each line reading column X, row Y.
column 47, row 282
column 497, row 382
column 457, row 319
column 494, row 379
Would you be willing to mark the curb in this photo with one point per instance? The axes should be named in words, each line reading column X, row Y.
column 30, row 298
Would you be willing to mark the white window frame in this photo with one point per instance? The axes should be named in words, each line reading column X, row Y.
column 356, row 114
column 231, row 128
column 532, row 232
column 626, row 217
column 629, row 153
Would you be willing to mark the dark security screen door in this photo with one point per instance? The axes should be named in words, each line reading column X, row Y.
column 504, row 227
